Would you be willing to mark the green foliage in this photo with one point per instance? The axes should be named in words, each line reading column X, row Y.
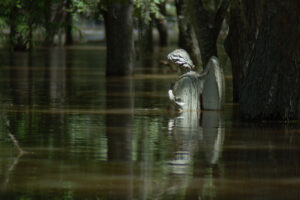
column 85, row 6
column 19, row 19
column 3, row 26
column 145, row 9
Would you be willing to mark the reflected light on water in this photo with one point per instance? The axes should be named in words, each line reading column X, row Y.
column 92, row 137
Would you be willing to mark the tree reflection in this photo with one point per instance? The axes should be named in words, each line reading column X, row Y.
column 119, row 127
column 55, row 76
column 20, row 77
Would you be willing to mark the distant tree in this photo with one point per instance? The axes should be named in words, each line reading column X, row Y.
column 118, row 18
column 16, row 15
column 49, row 27
column 144, row 16
column 24, row 18
column 162, row 24
column 56, row 19
column 146, row 36
column 150, row 13
column 69, row 22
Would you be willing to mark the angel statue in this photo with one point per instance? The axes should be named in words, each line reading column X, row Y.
column 192, row 88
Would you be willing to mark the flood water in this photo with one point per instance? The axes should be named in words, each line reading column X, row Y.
column 89, row 137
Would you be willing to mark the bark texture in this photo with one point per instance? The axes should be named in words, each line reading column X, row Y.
column 162, row 26
column 118, row 19
column 207, row 24
column 49, row 30
column 187, row 39
column 54, row 17
column 271, row 87
column 146, row 37
column 245, row 17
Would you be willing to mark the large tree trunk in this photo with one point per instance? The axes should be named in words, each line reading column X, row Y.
column 271, row 86
column 187, row 39
column 118, row 19
column 207, row 25
column 244, row 20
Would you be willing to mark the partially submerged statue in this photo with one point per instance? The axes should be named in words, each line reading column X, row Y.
column 186, row 92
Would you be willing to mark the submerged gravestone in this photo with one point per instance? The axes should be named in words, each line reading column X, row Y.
column 186, row 92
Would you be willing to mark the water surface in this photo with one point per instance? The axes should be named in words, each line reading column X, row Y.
column 89, row 137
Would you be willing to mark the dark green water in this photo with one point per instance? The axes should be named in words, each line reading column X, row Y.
column 88, row 137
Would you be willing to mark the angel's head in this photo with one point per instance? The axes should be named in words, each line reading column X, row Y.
column 181, row 58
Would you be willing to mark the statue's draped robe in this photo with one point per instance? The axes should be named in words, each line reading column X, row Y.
column 187, row 90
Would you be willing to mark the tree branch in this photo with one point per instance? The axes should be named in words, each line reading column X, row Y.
column 220, row 15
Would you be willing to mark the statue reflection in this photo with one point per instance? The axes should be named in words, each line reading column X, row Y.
column 199, row 138
column 186, row 131
column 119, row 128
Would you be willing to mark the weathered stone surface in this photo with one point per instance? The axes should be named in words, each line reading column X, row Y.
column 181, row 58
column 213, row 93
column 186, row 91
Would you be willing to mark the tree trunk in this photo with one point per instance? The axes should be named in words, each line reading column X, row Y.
column 49, row 33
column 54, row 16
column 271, row 87
column 30, row 22
column 244, row 20
column 68, row 23
column 207, row 25
column 16, row 39
column 162, row 26
column 12, row 33
column 30, row 36
column 146, row 37
column 118, row 19
column 187, row 39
